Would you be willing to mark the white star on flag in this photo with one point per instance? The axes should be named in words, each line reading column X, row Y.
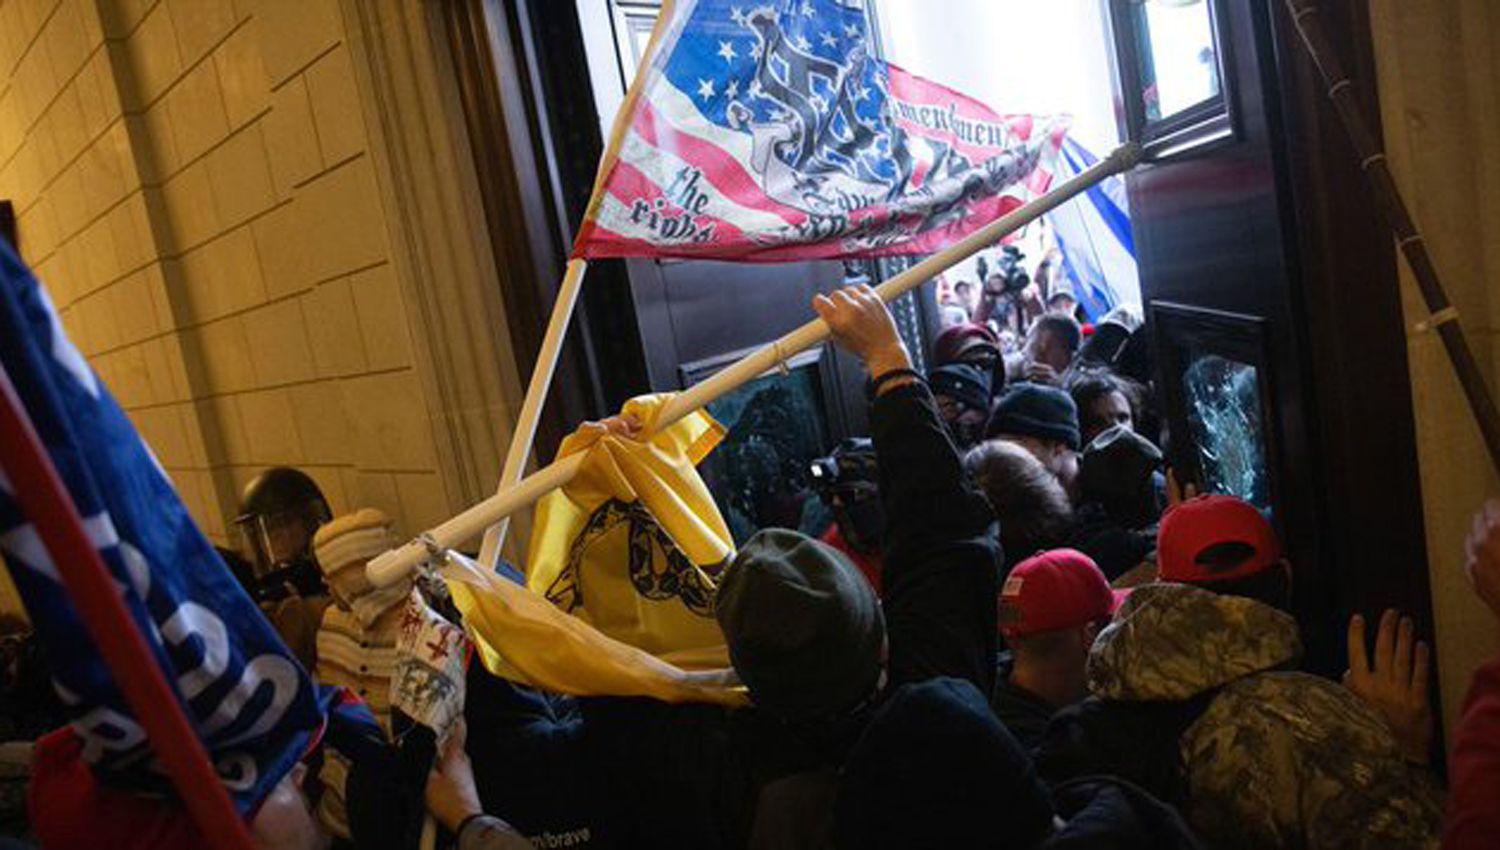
column 829, row 39
column 705, row 88
column 755, row 50
column 756, row 90
column 737, row 15
column 807, row 9
column 851, row 30
column 726, row 50
column 733, row 89
column 802, row 43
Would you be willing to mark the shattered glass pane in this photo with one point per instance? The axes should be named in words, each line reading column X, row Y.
column 1223, row 406
column 759, row 473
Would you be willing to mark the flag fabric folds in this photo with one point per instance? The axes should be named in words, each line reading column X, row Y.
column 522, row 637
column 623, row 571
column 1093, row 235
column 634, row 544
column 252, row 704
column 766, row 132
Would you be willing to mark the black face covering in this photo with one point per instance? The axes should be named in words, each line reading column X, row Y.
column 301, row 577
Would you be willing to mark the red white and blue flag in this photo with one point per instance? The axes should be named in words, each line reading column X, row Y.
column 770, row 132
column 251, row 703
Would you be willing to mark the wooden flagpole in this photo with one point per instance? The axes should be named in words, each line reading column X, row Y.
column 524, row 436
column 1443, row 316
column 395, row 564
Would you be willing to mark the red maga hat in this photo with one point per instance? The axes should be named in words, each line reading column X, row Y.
column 1059, row 589
column 1190, row 528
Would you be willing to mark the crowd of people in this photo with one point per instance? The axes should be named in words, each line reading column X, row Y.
column 1019, row 632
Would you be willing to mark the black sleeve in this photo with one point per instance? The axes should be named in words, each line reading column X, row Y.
column 667, row 775
column 942, row 555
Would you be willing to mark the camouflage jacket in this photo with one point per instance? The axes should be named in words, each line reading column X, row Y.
column 1278, row 759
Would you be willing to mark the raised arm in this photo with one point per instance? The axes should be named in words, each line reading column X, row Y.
column 940, row 555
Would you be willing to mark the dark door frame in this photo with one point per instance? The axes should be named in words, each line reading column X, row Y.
column 535, row 139
column 1347, row 292
column 1284, row 200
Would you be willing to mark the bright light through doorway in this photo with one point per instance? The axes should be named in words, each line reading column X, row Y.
column 1038, row 56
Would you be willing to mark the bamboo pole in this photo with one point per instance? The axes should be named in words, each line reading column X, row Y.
column 395, row 564
column 524, row 436
column 45, row 501
column 1443, row 316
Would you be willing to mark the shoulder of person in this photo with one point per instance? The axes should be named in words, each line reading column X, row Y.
column 1262, row 718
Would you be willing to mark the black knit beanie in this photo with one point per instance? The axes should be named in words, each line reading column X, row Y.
column 1035, row 410
column 804, row 628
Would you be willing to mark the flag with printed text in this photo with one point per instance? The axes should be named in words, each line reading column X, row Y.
column 766, row 132
column 249, row 700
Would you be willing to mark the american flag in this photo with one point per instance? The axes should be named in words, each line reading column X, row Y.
column 249, row 700
column 771, row 132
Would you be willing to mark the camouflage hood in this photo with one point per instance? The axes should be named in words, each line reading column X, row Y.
column 1175, row 641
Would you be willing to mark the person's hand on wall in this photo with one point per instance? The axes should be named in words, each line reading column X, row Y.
column 1396, row 685
column 861, row 324
column 452, row 797
column 1483, row 550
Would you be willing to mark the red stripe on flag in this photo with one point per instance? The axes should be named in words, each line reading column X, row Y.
column 726, row 173
column 630, row 185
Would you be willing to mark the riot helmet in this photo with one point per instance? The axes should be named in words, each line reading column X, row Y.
column 280, row 511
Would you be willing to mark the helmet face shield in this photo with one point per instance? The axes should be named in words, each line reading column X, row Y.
column 279, row 547
column 279, row 513
column 279, row 540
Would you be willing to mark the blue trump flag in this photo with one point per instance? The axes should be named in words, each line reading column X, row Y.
column 1093, row 234
column 249, row 700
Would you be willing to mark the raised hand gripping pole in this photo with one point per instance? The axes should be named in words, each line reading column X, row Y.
column 394, row 565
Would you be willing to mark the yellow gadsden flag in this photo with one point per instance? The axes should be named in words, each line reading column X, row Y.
column 632, row 549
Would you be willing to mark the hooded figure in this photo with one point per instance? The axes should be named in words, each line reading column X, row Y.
column 1194, row 698
column 937, row 769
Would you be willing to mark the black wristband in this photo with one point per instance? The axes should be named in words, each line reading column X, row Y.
column 464, row 824
column 872, row 389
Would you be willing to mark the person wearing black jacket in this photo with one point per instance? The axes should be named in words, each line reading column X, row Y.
column 818, row 651
column 933, row 766
column 841, row 680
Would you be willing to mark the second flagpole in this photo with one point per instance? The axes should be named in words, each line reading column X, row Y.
column 524, row 435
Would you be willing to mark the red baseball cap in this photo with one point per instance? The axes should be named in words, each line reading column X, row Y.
column 1059, row 589
column 1191, row 527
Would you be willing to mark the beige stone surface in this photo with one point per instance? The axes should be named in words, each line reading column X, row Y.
column 1439, row 69
column 291, row 139
column 194, row 186
column 335, row 106
column 382, row 318
column 338, row 348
